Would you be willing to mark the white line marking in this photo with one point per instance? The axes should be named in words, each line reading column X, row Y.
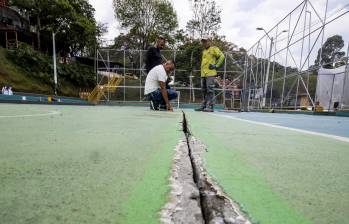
column 31, row 115
column 339, row 138
column 292, row 116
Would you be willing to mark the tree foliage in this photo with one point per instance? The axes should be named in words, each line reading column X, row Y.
column 331, row 51
column 72, row 20
column 206, row 18
column 144, row 20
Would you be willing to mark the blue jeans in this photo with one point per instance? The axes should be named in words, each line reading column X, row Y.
column 157, row 96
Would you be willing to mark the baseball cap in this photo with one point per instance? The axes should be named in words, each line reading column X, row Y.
column 205, row 38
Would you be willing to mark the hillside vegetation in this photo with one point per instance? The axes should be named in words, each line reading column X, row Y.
column 30, row 71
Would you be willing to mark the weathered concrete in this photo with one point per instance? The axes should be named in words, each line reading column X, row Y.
column 184, row 202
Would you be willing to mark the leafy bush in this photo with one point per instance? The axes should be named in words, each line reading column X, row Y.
column 40, row 66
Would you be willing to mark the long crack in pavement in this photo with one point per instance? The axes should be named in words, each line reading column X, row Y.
column 195, row 198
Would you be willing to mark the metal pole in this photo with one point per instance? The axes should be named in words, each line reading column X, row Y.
column 329, row 104
column 249, row 88
column 108, row 69
column 295, row 104
column 224, row 78
column 265, row 62
column 308, row 73
column 267, row 73
column 273, row 73
column 256, row 67
column 300, row 63
column 140, row 75
column 286, row 62
column 243, row 92
column 97, row 66
column 345, row 75
column 124, row 75
column 94, row 63
column 174, row 72
column 54, row 62
column 191, row 91
column 323, row 33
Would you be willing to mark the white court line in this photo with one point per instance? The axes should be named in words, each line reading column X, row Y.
column 31, row 115
column 293, row 117
column 340, row 138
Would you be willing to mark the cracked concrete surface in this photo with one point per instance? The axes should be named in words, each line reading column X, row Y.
column 184, row 201
column 195, row 197
column 217, row 207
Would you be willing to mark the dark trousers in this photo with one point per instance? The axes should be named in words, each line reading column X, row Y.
column 207, row 88
column 157, row 96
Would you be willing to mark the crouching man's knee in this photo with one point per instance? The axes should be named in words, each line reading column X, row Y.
column 172, row 95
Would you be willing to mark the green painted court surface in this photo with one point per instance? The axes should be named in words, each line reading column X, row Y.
column 72, row 164
column 277, row 176
column 84, row 165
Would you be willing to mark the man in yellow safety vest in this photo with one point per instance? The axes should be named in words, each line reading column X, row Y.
column 212, row 58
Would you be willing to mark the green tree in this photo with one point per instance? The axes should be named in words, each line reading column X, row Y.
column 72, row 20
column 331, row 51
column 146, row 19
column 41, row 12
column 206, row 18
column 78, row 31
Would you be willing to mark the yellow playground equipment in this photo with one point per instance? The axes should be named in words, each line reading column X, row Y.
column 114, row 80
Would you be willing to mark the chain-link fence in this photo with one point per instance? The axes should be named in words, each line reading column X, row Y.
column 186, row 76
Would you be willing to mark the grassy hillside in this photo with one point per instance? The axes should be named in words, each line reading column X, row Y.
column 27, row 70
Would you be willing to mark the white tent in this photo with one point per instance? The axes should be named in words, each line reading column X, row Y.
column 333, row 87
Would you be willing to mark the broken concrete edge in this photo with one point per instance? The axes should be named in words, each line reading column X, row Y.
column 173, row 200
column 215, row 205
column 183, row 205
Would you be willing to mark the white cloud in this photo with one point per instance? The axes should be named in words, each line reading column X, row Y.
column 105, row 14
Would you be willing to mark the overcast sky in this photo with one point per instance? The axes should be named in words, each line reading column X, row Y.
column 239, row 17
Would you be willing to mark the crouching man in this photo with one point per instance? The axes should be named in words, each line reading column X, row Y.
column 155, row 87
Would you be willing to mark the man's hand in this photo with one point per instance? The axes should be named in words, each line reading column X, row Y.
column 169, row 107
column 212, row 67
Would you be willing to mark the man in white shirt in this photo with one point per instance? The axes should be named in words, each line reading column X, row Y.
column 155, row 87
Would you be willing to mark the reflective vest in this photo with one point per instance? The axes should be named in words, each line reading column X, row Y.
column 214, row 56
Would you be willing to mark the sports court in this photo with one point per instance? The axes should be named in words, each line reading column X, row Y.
column 108, row 164
column 331, row 125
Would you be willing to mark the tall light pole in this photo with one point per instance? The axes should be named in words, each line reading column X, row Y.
column 268, row 67
column 54, row 31
column 54, row 61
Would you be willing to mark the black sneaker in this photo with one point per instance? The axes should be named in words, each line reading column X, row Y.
column 154, row 105
column 209, row 109
column 200, row 109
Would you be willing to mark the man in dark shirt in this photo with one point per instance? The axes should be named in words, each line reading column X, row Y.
column 153, row 57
